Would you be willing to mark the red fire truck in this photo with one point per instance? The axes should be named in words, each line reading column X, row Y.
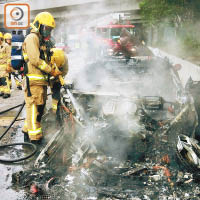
column 110, row 36
column 121, row 39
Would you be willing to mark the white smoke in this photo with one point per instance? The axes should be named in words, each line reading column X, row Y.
column 91, row 76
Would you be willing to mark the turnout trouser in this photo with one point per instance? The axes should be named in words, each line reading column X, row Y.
column 4, row 85
column 4, row 80
column 17, row 82
column 55, row 89
column 35, row 105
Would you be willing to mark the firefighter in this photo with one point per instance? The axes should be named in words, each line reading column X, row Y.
column 5, row 67
column 37, row 73
column 8, row 38
column 59, row 59
column 17, row 80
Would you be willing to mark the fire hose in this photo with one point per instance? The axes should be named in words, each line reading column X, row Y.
column 32, row 146
column 2, row 112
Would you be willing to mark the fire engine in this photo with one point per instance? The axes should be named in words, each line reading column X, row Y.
column 110, row 36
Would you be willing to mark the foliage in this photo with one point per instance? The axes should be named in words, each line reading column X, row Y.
column 181, row 15
column 175, row 12
column 190, row 38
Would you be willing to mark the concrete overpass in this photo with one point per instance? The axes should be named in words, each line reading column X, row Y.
column 79, row 11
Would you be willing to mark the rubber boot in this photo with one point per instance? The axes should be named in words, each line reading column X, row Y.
column 36, row 142
column 26, row 137
column 19, row 87
column 1, row 93
column 5, row 96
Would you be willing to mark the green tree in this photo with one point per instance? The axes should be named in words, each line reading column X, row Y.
column 175, row 12
column 182, row 16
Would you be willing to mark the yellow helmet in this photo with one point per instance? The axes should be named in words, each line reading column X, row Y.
column 1, row 35
column 45, row 18
column 7, row 36
column 58, row 57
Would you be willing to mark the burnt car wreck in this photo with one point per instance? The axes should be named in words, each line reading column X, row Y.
column 128, row 130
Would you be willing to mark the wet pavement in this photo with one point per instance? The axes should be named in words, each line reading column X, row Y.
column 8, row 190
column 14, row 135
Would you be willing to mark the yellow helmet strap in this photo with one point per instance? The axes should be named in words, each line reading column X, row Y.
column 35, row 26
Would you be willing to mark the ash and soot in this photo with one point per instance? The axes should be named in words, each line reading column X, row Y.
column 125, row 128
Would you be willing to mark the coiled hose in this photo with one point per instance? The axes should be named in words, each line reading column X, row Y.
column 32, row 146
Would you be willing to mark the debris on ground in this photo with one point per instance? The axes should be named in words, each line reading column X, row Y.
column 119, row 144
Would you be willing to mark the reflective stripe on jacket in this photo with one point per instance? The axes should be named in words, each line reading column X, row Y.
column 36, row 66
column 37, row 77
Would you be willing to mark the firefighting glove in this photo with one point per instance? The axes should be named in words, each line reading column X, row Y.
column 55, row 71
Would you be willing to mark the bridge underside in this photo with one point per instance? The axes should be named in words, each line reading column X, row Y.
column 80, row 12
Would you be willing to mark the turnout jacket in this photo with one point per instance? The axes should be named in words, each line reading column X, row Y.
column 38, row 69
column 5, row 55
